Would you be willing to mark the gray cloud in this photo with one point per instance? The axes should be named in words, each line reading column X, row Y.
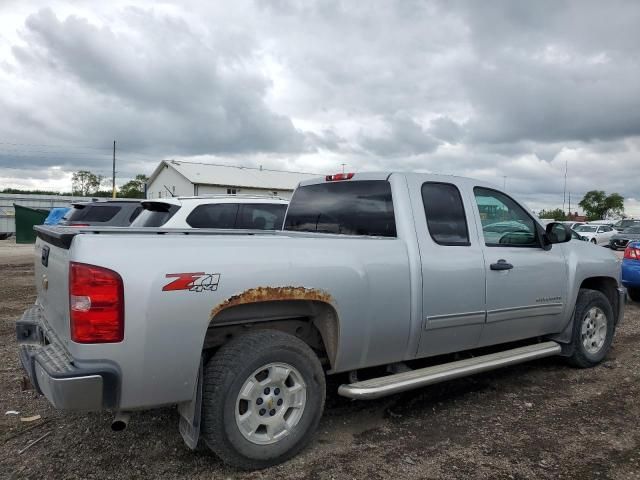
column 165, row 89
column 473, row 88
column 404, row 137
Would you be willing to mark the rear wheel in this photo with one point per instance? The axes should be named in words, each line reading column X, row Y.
column 593, row 240
column 263, row 398
column 634, row 294
column 593, row 329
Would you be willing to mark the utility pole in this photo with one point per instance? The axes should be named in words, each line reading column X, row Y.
column 564, row 192
column 113, row 181
column 569, row 204
column 343, row 165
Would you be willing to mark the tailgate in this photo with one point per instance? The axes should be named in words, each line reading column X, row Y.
column 51, row 264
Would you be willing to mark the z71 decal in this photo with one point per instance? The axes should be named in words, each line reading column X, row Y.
column 194, row 282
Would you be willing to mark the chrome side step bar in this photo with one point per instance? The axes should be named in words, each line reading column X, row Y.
column 401, row 382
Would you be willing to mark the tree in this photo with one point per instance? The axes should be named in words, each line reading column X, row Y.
column 134, row 188
column 85, row 183
column 555, row 214
column 597, row 205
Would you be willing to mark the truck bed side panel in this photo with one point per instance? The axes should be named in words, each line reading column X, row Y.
column 366, row 280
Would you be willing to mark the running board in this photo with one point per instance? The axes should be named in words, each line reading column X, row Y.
column 401, row 382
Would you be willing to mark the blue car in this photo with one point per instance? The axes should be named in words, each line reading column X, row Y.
column 631, row 270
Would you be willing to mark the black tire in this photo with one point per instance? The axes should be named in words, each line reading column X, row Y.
column 587, row 300
column 593, row 240
column 224, row 376
column 634, row 294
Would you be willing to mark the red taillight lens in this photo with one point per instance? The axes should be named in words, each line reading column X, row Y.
column 339, row 176
column 632, row 253
column 96, row 304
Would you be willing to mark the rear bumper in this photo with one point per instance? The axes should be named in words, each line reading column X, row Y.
column 63, row 380
column 631, row 274
column 617, row 244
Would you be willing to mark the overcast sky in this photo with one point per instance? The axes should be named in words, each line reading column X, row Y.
column 483, row 89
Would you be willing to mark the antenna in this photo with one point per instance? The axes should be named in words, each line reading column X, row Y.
column 113, row 181
column 564, row 192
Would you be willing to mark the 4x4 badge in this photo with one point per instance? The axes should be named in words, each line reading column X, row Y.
column 194, row 282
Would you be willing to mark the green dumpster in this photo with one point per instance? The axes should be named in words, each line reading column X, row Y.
column 26, row 218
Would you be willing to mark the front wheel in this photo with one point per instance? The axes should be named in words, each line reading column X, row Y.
column 593, row 329
column 634, row 294
column 593, row 240
column 263, row 396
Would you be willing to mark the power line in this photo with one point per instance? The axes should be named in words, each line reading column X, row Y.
column 48, row 152
column 54, row 146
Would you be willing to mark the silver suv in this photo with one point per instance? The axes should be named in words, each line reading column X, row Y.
column 217, row 211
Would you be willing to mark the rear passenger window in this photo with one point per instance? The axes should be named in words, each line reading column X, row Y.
column 214, row 215
column 444, row 210
column 261, row 216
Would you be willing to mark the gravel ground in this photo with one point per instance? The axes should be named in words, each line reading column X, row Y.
column 538, row 420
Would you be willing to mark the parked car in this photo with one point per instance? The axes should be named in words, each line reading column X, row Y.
column 102, row 213
column 597, row 234
column 216, row 211
column 620, row 240
column 622, row 225
column 601, row 222
column 631, row 270
column 240, row 328
column 572, row 225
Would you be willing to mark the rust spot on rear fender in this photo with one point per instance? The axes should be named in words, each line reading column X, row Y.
column 271, row 294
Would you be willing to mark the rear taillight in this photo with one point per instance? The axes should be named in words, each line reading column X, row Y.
column 339, row 176
column 96, row 304
column 632, row 253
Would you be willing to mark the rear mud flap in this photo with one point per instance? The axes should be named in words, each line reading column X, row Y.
column 191, row 413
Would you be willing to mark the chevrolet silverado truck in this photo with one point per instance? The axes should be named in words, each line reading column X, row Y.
column 381, row 277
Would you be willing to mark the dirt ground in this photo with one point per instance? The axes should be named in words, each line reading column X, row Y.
column 538, row 420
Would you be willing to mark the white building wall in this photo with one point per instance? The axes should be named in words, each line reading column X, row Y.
column 216, row 190
column 180, row 186
column 175, row 182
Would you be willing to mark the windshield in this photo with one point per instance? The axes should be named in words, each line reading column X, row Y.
column 626, row 223
column 155, row 214
column 586, row 228
column 95, row 212
column 75, row 213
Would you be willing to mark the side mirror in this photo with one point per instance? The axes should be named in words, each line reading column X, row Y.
column 558, row 233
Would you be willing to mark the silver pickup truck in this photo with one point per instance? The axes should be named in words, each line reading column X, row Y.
column 239, row 328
